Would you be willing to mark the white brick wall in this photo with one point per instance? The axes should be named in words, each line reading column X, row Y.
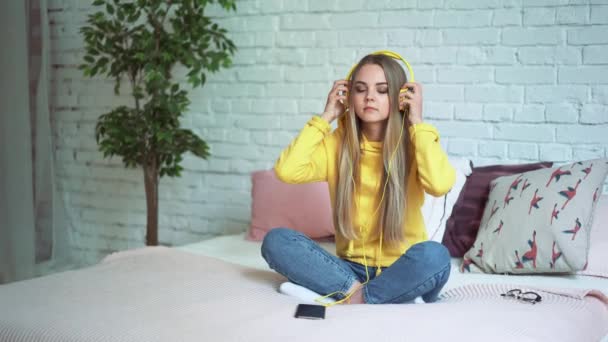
column 505, row 81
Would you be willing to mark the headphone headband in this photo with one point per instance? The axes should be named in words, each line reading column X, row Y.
column 393, row 55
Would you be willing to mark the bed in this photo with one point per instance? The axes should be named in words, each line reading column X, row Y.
column 221, row 290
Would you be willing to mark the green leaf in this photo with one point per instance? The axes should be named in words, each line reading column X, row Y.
column 133, row 17
column 103, row 61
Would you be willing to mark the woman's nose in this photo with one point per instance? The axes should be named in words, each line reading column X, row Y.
column 370, row 96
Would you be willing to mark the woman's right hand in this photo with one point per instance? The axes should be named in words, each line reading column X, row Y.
column 338, row 95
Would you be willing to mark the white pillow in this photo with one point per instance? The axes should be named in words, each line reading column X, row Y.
column 437, row 210
column 539, row 221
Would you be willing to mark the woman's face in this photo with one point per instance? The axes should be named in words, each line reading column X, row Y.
column 370, row 94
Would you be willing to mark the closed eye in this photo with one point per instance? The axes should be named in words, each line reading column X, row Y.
column 381, row 90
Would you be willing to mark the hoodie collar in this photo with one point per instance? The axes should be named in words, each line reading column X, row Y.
column 371, row 146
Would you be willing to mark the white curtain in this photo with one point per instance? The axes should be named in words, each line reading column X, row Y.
column 33, row 233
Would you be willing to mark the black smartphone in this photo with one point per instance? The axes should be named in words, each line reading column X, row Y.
column 310, row 311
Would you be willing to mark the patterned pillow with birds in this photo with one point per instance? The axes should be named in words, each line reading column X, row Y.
column 538, row 221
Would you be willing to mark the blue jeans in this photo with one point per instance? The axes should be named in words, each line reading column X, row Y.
column 422, row 271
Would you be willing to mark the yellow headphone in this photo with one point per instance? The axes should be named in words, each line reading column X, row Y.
column 340, row 122
column 391, row 54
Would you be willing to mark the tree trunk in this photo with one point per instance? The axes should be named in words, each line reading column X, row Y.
column 151, row 184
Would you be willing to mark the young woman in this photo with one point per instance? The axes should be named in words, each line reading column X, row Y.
column 378, row 163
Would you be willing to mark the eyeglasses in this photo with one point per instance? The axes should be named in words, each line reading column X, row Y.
column 527, row 297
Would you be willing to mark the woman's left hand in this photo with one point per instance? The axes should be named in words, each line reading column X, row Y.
column 412, row 100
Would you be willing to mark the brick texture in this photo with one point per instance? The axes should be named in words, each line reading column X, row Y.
column 505, row 82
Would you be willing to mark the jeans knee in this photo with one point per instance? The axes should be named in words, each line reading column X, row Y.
column 274, row 240
column 435, row 255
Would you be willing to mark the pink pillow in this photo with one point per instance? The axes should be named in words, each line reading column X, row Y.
column 598, row 249
column 302, row 207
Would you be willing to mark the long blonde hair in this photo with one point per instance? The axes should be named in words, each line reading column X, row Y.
column 391, row 211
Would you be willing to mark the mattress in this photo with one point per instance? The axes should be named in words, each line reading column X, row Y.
column 236, row 249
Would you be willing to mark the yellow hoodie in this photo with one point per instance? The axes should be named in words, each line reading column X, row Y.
column 313, row 157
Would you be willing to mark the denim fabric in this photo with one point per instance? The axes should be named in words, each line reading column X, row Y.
column 422, row 271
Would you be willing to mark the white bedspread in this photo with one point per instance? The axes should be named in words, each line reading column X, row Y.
column 162, row 294
column 181, row 294
column 236, row 249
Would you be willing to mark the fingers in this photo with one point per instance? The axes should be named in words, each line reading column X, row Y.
column 339, row 91
column 340, row 83
column 405, row 98
column 409, row 91
column 410, row 94
column 403, row 104
column 342, row 95
column 406, row 95
column 412, row 86
column 340, row 88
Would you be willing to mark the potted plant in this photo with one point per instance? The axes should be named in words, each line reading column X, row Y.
column 141, row 42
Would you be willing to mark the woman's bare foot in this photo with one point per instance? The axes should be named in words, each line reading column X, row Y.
column 357, row 296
